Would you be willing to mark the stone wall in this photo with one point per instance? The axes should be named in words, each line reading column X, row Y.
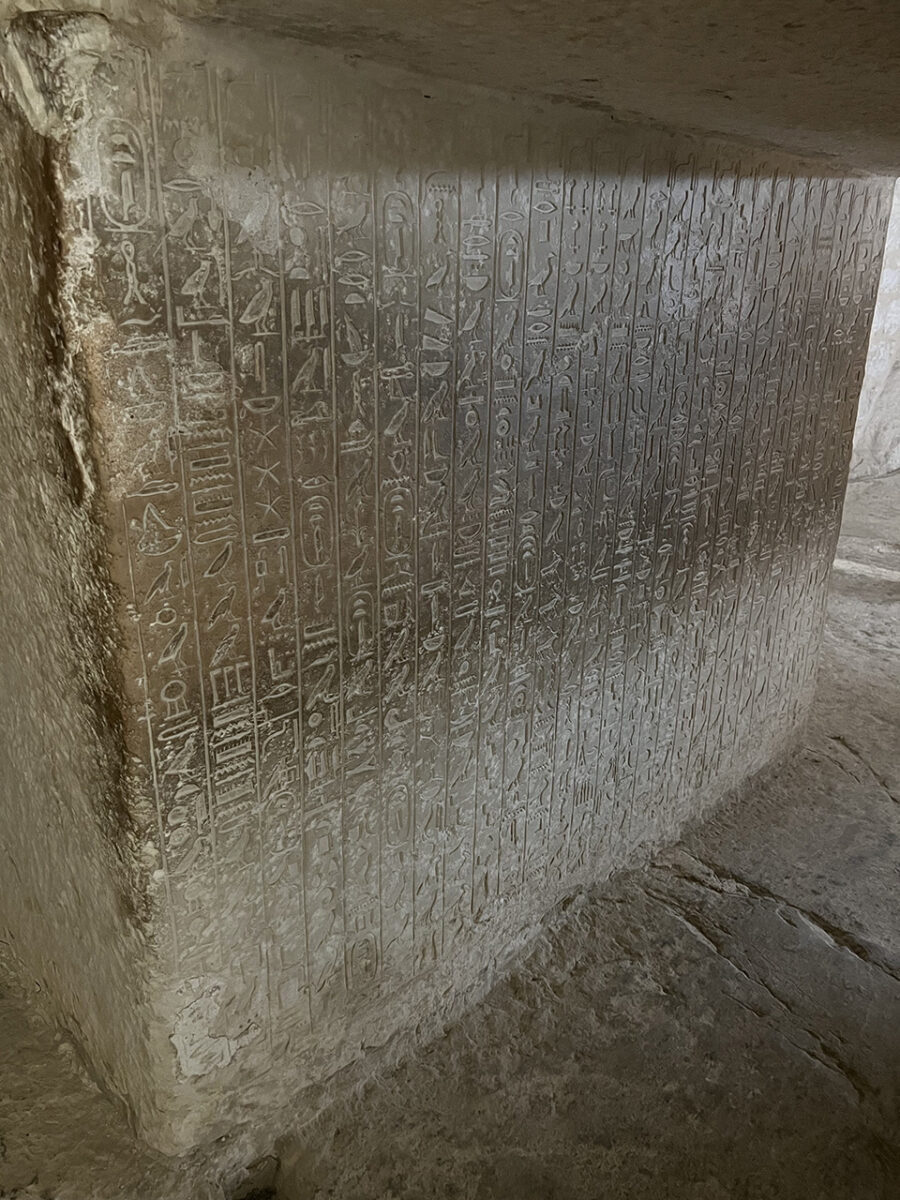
column 70, row 897
column 471, row 473
column 876, row 443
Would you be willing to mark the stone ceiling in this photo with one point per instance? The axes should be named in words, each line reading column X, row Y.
column 818, row 77
column 814, row 76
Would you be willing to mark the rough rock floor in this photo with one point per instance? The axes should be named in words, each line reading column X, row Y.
column 723, row 1024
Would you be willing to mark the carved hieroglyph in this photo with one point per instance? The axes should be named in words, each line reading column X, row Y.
column 473, row 476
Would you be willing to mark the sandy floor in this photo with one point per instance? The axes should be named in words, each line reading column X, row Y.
column 721, row 1025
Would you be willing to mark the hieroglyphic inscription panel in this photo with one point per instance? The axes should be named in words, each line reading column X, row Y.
column 475, row 482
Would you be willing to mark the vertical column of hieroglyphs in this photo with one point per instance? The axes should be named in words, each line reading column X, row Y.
column 433, row 321
column 766, row 315
column 270, row 314
column 356, row 292
column 477, row 232
column 786, row 225
column 792, row 543
column 719, row 221
column 702, row 279
column 783, row 588
column 315, row 418
column 661, row 580
column 632, row 372
column 642, row 478
column 729, row 383
column 307, row 872
column 716, row 359
column 559, row 410
column 751, row 236
column 626, row 282
column 670, row 206
column 701, row 441
column 684, row 273
column 505, row 745
column 760, row 318
column 571, row 499
column 796, row 232
column 125, row 216
column 846, row 286
column 395, row 248
column 523, row 250
column 478, row 274
column 596, row 434
column 820, row 436
column 264, row 875
column 609, row 310
column 800, row 532
column 534, row 522
column 568, row 493
column 197, row 237
column 675, row 203
column 506, row 300
column 439, row 191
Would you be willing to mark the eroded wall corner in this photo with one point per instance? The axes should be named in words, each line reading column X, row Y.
column 75, row 905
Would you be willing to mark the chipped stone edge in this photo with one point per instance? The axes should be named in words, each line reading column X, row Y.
column 47, row 61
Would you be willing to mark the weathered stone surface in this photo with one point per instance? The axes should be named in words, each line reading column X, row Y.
column 806, row 76
column 800, row 74
column 876, row 442
column 70, row 901
column 470, row 475
column 721, row 1023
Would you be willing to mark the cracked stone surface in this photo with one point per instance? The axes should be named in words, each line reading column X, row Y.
column 720, row 1024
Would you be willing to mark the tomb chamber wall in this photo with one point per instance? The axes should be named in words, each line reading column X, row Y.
column 71, row 896
column 876, row 443
column 471, row 475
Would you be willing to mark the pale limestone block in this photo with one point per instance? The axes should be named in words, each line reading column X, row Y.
column 463, row 480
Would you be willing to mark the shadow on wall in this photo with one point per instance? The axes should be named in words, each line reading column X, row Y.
column 876, row 444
